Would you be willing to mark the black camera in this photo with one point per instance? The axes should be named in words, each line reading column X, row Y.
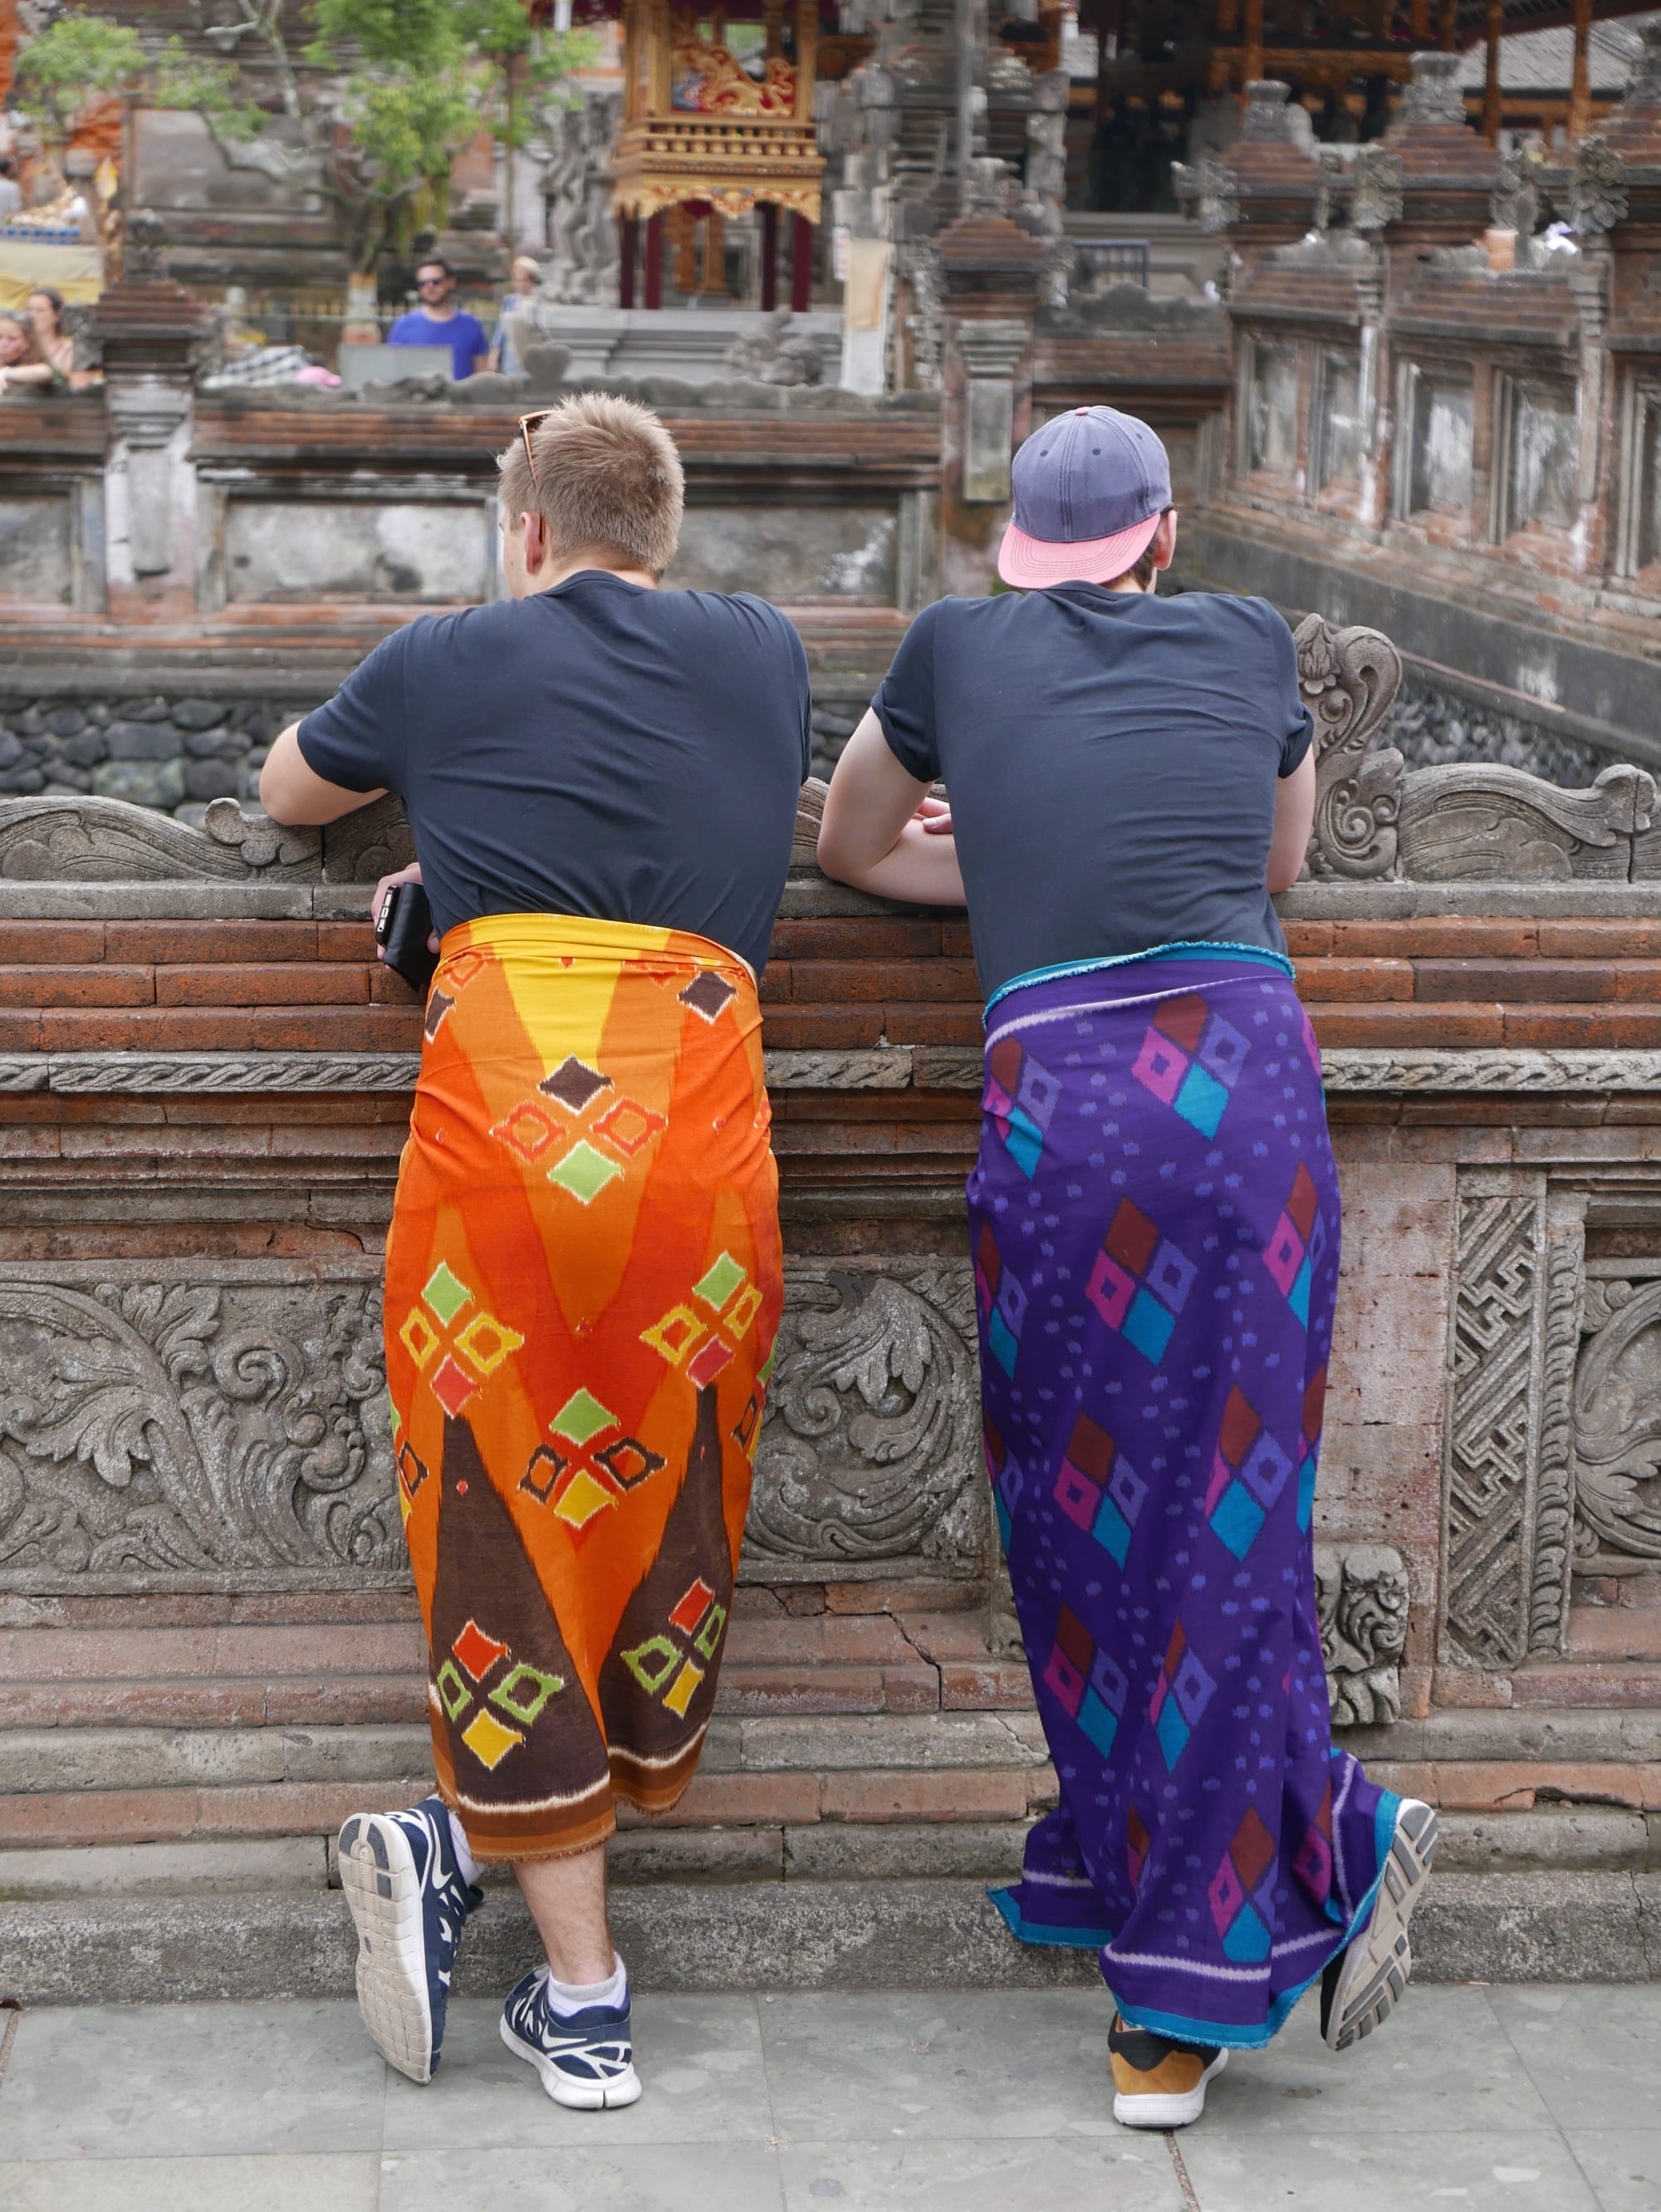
column 401, row 929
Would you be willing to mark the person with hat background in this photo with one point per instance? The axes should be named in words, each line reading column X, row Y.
column 1154, row 1222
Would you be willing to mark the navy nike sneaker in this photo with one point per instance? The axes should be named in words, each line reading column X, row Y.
column 586, row 2059
column 410, row 1902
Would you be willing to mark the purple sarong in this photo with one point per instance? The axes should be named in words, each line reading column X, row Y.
column 1154, row 1221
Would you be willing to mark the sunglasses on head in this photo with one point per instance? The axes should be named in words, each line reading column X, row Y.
column 527, row 424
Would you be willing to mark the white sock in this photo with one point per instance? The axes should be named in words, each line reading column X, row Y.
column 466, row 1866
column 577, row 1996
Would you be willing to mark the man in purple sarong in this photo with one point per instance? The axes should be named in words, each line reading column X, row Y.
column 1155, row 1220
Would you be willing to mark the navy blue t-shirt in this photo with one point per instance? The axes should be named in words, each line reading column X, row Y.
column 599, row 750
column 1112, row 760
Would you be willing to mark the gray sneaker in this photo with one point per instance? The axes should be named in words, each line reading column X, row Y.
column 1362, row 1985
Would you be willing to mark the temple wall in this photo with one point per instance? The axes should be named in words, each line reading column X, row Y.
column 209, row 1649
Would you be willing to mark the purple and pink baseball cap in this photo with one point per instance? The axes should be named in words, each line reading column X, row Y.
column 1089, row 489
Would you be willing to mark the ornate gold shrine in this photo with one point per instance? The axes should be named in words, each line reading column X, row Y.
column 699, row 126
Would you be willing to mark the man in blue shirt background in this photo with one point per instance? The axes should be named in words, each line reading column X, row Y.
column 438, row 322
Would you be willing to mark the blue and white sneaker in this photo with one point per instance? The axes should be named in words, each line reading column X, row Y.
column 399, row 1873
column 586, row 2059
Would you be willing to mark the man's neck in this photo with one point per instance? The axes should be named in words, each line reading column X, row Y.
column 549, row 580
column 441, row 312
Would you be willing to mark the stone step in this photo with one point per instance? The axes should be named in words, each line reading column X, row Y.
column 63, row 1761
column 1581, row 1838
column 933, row 1933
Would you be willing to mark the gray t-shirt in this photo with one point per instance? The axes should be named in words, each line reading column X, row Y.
column 1112, row 759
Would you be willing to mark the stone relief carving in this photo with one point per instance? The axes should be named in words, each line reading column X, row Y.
column 1360, row 1600
column 1617, row 1415
column 1494, row 825
column 109, row 841
column 1510, row 1450
column 1486, row 1507
column 153, row 1426
column 1433, row 95
column 1375, row 188
column 582, row 232
column 1349, row 678
column 1596, row 194
column 1209, row 191
column 871, row 1446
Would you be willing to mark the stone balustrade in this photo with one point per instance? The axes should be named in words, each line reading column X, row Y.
column 209, row 1649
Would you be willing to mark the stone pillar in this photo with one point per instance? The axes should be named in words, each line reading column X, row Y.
column 150, row 329
column 1579, row 106
column 993, row 276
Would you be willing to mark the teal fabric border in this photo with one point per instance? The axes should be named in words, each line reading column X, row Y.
column 1177, row 2028
column 1046, row 1939
column 1180, row 949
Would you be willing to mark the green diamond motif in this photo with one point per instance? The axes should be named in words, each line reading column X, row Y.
column 444, row 1294
column 764, row 1374
column 582, row 1416
column 583, row 1172
column 722, row 1280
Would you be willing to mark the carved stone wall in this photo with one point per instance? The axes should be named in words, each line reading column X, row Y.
column 168, row 1426
column 1508, row 1462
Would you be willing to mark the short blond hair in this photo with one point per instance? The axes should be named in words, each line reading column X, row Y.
column 608, row 479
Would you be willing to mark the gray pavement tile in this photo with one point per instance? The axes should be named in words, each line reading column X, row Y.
column 132, row 2082
column 1590, row 2050
column 278, row 2182
column 649, row 2178
column 1522, row 2170
column 1442, row 2061
column 974, row 2175
column 1013, row 2063
column 700, row 2058
column 1624, row 2166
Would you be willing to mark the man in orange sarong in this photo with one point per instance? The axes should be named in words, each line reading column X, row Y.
column 584, row 1275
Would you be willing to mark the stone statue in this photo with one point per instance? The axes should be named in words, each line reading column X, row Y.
column 583, row 263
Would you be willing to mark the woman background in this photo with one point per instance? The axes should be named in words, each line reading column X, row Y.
column 1155, row 1223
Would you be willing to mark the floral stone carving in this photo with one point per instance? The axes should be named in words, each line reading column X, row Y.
column 1350, row 678
column 155, row 1429
column 1486, row 824
column 871, row 1449
column 1617, row 1415
column 1360, row 1599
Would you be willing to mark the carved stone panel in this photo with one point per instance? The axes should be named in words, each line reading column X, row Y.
column 870, row 1452
column 159, row 1430
column 1360, row 1598
column 1493, row 824
column 1348, row 679
column 1617, row 1412
column 1508, row 1473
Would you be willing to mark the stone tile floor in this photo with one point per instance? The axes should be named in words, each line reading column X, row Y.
column 1532, row 2098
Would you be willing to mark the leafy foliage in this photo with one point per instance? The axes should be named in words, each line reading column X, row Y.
column 408, row 84
column 78, row 58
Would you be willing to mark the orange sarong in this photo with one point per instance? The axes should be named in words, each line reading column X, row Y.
column 584, row 1282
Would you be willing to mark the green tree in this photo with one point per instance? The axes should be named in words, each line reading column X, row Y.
column 77, row 58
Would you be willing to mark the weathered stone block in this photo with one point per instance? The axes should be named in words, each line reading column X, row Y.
column 141, row 741
column 142, row 782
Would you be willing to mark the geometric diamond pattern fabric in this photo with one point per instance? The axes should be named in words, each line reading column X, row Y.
column 1154, row 1228
column 583, row 1283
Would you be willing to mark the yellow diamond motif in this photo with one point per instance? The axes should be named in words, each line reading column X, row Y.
column 745, row 1308
column 582, row 1416
column 489, row 1741
column 445, row 1294
column 679, row 1697
column 418, row 1337
column 583, row 1172
column 675, row 1336
column 723, row 1279
column 488, row 1342
column 581, row 1500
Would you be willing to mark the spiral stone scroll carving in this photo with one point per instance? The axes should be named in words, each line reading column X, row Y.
column 1360, row 1600
column 1350, row 678
column 158, row 1431
column 871, row 1449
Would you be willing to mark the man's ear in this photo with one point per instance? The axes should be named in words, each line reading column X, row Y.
column 1164, row 546
column 533, row 534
